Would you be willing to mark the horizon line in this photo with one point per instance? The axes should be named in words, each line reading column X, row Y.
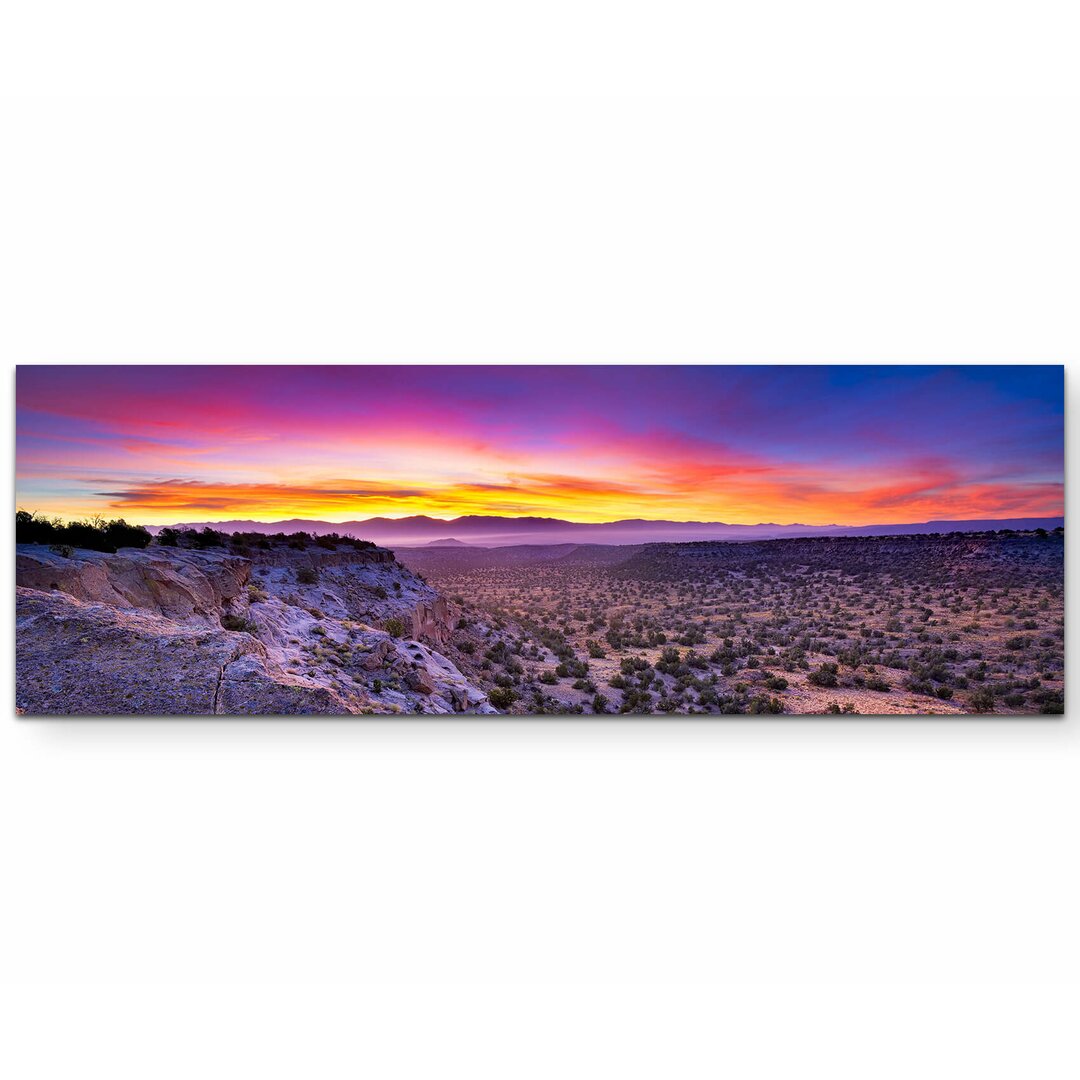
column 568, row 521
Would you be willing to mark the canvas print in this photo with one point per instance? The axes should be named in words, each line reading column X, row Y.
column 539, row 540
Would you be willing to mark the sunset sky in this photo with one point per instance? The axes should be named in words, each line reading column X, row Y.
column 814, row 445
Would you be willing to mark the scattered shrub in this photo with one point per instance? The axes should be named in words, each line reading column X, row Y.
column 502, row 697
column 826, row 675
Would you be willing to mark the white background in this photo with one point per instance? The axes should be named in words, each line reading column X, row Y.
column 550, row 183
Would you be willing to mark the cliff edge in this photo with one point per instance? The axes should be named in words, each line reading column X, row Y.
column 166, row 631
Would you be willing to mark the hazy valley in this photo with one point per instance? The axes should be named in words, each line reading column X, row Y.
column 493, row 530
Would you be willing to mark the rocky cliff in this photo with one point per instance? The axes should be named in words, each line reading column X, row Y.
column 167, row 631
column 182, row 585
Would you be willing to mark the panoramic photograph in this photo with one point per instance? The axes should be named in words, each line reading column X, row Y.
column 539, row 540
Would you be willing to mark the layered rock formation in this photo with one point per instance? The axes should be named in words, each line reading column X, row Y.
column 432, row 622
column 170, row 631
column 178, row 584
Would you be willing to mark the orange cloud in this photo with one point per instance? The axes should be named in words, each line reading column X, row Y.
column 747, row 498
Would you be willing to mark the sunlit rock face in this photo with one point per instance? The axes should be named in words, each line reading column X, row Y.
column 166, row 631
column 432, row 621
column 181, row 585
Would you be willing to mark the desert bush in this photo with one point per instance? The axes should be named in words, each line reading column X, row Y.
column 1052, row 701
column 307, row 575
column 395, row 627
column 208, row 538
column 764, row 704
column 572, row 669
column 636, row 701
column 31, row 528
column 826, row 675
column 94, row 535
column 502, row 697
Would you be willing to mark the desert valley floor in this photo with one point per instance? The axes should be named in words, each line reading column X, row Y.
column 932, row 624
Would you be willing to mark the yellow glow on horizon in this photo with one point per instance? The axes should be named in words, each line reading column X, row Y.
column 164, row 505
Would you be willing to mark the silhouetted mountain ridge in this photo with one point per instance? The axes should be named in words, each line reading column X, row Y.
column 495, row 531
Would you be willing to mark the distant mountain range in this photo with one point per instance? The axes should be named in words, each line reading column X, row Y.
column 482, row 531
